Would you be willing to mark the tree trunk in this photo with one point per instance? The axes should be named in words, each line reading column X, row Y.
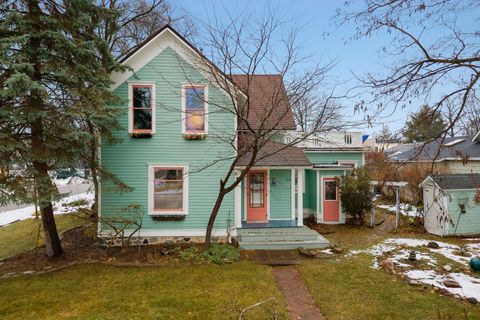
column 213, row 216
column 43, row 183
column 92, row 163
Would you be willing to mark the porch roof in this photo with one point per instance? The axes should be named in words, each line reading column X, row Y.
column 276, row 154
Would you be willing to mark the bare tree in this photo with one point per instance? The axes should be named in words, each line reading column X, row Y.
column 434, row 54
column 470, row 123
column 136, row 21
column 238, row 51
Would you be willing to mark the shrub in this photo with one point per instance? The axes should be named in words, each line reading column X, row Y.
column 355, row 194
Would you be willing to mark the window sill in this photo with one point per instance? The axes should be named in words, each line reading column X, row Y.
column 194, row 136
column 168, row 214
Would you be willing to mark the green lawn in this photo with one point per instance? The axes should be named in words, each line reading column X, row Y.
column 22, row 235
column 351, row 289
column 107, row 292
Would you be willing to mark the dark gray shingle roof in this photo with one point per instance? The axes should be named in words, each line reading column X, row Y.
column 457, row 181
column 439, row 150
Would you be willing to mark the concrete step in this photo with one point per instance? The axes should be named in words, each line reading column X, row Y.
column 284, row 245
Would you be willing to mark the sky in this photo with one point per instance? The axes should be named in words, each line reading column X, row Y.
column 324, row 41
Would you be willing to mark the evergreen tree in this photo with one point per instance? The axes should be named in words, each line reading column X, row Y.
column 424, row 125
column 54, row 74
column 385, row 134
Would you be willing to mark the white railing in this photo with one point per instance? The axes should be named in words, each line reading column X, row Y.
column 326, row 140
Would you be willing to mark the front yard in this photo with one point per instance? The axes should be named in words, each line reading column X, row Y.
column 343, row 286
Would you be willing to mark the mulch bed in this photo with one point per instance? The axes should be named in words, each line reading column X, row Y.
column 80, row 246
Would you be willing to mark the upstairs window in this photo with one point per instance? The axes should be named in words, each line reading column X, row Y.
column 195, row 109
column 142, row 108
column 348, row 139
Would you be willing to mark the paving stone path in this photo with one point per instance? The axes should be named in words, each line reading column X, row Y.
column 300, row 304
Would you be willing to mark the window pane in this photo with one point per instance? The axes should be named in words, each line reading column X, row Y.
column 169, row 174
column 195, row 99
column 168, row 194
column 195, row 120
column 257, row 190
column 142, row 119
column 330, row 190
column 141, row 97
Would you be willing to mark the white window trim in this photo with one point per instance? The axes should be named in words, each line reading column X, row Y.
column 130, row 103
column 184, row 107
column 150, row 188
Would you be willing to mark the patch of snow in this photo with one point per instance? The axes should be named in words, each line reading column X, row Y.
column 8, row 217
column 405, row 209
column 470, row 286
column 72, row 180
column 327, row 251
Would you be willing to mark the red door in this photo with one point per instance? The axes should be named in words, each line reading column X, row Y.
column 331, row 203
column 257, row 196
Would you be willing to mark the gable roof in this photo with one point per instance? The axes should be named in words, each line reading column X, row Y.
column 165, row 37
column 451, row 148
column 267, row 95
column 455, row 181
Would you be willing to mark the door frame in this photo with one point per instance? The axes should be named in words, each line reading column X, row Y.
column 330, row 177
column 245, row 191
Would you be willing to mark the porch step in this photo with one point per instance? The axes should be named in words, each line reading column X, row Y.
column 280, row 238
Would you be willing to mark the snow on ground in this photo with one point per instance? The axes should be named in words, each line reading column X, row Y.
column 432, row 273
column 69, row 181
column 405, row 209
column 470, row 286
column 60, row 207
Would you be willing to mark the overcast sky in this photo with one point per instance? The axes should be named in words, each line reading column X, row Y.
column 315, row 17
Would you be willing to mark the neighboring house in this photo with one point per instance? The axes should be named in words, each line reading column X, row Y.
column 452, row 155
column 449, row 204
column 169, row 159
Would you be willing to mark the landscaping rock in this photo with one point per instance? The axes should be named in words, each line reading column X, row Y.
column 451, row 284
column 412, row 256
column 472, row 300
column 433, row 245
column 337, row 250
column 165, row 252
column 306, row 253
column 444, row 292
column 447, row 268
column 169, row 244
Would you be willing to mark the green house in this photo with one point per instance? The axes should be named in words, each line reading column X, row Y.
column 177, row 141
column 449, row 204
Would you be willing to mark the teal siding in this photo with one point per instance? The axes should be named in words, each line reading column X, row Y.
column 129, row 159
column 329, row 157
column 469, row 222
column 309, row 197
column 280, row 194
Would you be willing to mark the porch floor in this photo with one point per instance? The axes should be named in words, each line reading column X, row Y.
column 270, row 224
column 279, row 238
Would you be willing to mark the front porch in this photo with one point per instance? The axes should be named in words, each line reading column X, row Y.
column 279, row 237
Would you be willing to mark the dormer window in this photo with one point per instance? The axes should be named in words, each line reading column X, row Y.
column 142, row 108
column 195, row 109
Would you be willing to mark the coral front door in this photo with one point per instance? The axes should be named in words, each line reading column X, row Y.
column 257, row 196
column 331, row 203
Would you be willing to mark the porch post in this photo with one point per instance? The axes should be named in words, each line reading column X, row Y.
column 301, row 176
column 238, row 203
column 317, row 195
column 292, row 196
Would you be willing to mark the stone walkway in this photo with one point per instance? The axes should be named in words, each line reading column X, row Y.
column 300, row 304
